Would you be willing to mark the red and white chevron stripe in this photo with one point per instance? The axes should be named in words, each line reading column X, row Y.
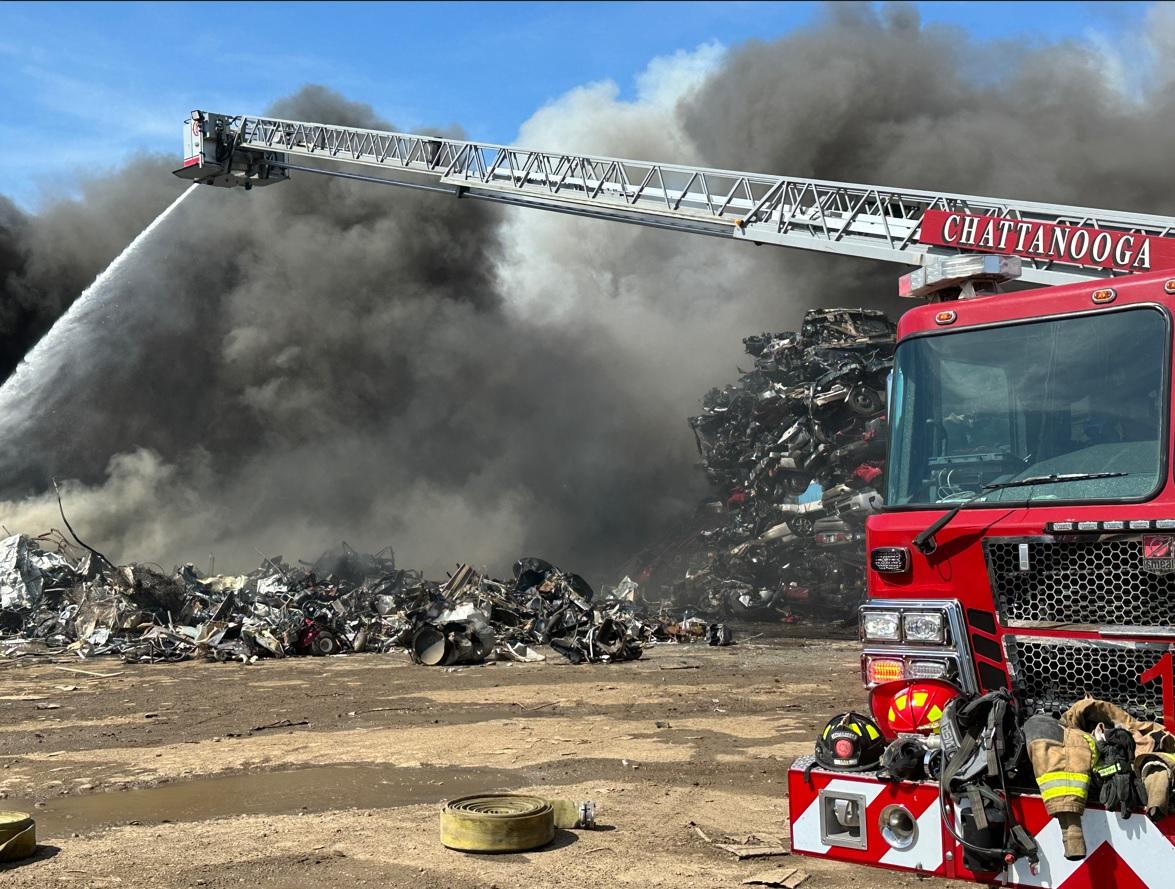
column 1133, row 853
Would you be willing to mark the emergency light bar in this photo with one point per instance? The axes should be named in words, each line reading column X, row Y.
column 1071, row 526
column 973, row 273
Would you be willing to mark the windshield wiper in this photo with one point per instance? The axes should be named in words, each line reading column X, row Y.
column 925, row 540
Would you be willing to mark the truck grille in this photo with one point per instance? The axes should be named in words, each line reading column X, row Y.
column 1050, row 674
column 1099, row 582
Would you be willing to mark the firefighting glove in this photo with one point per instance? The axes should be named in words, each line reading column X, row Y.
column 1122, row 790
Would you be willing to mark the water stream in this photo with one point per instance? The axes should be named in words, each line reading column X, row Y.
column 53, row 349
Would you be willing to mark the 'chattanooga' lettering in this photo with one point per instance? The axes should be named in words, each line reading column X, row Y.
column 1076, row 245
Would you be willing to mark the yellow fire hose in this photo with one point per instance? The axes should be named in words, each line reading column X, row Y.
column 18, row 836
column 497, row 823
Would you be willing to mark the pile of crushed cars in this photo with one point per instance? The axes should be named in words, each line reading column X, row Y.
column 811, row 410
column 55, row 598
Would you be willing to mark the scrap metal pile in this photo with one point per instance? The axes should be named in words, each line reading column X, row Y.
column 812, row 409
column 53, row 601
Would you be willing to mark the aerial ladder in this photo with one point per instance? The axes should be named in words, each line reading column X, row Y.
column 1052, row 596
column 945, row 235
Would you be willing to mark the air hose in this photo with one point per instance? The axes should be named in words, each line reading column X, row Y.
column 18, row 836
column 497, row 823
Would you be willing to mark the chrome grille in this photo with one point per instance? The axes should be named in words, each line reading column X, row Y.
column 1051, row 674
column 1099, row 582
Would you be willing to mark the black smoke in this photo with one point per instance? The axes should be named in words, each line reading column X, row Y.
column 47, row 259
column 325, row 359
column 871, row 94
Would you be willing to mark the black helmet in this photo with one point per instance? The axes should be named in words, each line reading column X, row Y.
column 850, row 742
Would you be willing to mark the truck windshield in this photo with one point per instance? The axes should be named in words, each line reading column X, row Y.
column 1084, row 394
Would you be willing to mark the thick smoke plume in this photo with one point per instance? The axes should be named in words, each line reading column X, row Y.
column 325, row 359
column 329, row 359
column 48, row 259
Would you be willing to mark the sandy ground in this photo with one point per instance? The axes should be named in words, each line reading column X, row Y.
column 328, row 772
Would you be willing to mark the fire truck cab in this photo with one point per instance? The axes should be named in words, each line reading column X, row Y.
column 1055, row 590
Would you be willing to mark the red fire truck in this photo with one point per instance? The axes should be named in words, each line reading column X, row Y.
column 1056, row 590
column 1028, row 536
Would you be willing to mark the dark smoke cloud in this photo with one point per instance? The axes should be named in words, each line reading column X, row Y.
column 872, row 95
column 326, row 359
column 47, row 259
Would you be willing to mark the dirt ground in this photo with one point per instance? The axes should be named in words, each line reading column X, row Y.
column 328, row 772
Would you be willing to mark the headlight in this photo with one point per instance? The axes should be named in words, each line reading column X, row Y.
column 919, row 668
column 881, row 626
column 926, row 626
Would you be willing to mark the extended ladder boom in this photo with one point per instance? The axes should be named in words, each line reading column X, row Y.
column 1057, row 244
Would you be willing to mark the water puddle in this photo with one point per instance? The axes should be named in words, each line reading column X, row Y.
column 317, row 789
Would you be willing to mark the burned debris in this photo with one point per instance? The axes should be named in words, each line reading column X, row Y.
column 53, row 601
column 794, row 452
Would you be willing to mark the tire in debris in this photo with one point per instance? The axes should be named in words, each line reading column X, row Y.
column 325, row 644
column 865, row 401
column 497, row 823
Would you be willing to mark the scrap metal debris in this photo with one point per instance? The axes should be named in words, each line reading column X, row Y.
column 807, row 419
column 781, row 878
column 745, row 847
column 58, row 598
column 753, row 850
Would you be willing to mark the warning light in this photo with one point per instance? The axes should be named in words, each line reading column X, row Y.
column 947, row 317
column 883, row 669
column 1169, row 286
column 1103, row 296
column 941, row 273
column 889, row 559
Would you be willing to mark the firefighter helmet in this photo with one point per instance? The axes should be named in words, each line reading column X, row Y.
column 911, row 707
column 850, row 742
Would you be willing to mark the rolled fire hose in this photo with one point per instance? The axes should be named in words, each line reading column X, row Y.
column 497, row 823
column 18, row 836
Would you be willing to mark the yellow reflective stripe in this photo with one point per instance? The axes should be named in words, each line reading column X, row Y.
column 856, row 728
column 828, row 730
column 900, row 701
column 935, row 714
column 1046, row 786
column 1054, row 792
column 873, row 733
column 920, row 698
column 1092, row 748
column 893, row 717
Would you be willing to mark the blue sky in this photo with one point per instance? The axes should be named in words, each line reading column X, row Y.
column 85, row 85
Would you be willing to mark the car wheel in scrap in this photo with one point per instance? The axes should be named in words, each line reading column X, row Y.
column 864, row 401
column 325, row 644
column 801, row 526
